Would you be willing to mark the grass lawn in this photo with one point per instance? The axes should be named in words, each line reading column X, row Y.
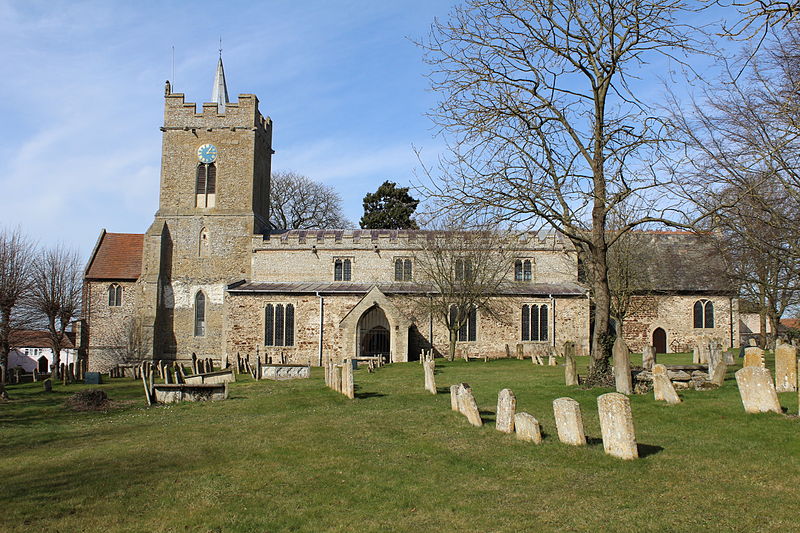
column 295, row 456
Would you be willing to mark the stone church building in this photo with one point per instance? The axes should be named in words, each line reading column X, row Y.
column 211, row 277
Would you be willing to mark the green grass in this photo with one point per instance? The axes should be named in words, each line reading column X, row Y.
column 295, row 456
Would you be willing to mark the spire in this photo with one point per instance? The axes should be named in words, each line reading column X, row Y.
column 219, row 93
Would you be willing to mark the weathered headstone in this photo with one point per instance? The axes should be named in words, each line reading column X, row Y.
column 430, row 381
column 753, row 356
column 727, row 356
column 467, row 405
column 194, row 363
column 622, row 367
column 454, row 397
column 337, row 378
column 527, row 428
column 648, row 357
column 520, row 351
column 718, row 375
column 506, row 409
column 91, row 378
column 551, row 360
column 569, row 421
column 714, row 358
column 35, row 375
column 616, row 425
column 757, row 390
column 696, row 355
column 48, row 385
column 705, row 349
column 348, row 385
column 570, row 365
column 508, row 352
column 785, row 368
column 663, row 390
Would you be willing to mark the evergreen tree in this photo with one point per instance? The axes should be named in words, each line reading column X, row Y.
column 390, row 207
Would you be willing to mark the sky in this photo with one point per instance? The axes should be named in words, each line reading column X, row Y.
column 83, row 89
column 82, row 99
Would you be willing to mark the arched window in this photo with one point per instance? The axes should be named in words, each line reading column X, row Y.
column 535, row 323
column 342, row 270
column 279, row 325
column 114, row 295
column 468, row 330
column 200, row 314
column 203, row 244
column 523, row 270
column 703, row 314
column 402, row 270
column 205, row 187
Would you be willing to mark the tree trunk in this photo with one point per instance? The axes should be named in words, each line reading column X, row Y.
column 5, row 345
column 762, row 324
column 452, row 348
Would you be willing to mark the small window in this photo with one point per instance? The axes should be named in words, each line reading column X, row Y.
column 342, row 270
column 403, row 270
column 464, row 270
column 200, row 314
column 203, row 244
column 279, row 325
column 523, row 270
column 467, row 332
column 703, row 314
column 114, row 295
column 205, row 187
column 535, row 323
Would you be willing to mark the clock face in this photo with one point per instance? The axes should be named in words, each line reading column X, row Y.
column 207, row 153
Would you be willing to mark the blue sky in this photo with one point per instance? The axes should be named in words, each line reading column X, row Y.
column 83, row 99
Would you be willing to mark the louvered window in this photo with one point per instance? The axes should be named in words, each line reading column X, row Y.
column 205, row 185
column 279, row 325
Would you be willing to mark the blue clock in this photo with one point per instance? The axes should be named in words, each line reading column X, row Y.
column 207, row 153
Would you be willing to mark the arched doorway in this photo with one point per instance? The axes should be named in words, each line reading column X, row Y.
column 44, row 364
column 660, row 340
column 373, row 333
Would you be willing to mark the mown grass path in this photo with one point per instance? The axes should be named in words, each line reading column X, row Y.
column 295, row 456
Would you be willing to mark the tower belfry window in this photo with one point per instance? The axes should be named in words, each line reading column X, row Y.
column 206, row 185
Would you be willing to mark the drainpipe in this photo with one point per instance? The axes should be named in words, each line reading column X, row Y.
column 321, row 324
column 553, row 318
column 430, row 321
column 730, row 321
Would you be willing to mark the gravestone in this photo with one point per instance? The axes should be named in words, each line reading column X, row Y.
column 570, row 365
column 467, row 405
column 754, row 356
column 91, row 378
column 663, row 390
column 616, row 425
column 696, row 355
column 48, row 385
column 508, row 352
column 551, row 360
column 727, row 356
column 337, row 378
column 506, row 409
column 757, row 390
column 785, row 368
column 430, row 380
column 527, row 428
column 520, row 351
column 348, row 385
column 569, row 421
column 35, row 375
column 648, row 357
column 622, row 367
column 454, row 397
column 718, row 376
column 714, row 358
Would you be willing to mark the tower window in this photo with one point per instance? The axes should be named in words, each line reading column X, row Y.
column 279, row 325
column 200, row 314
column 342, row 270
column 403, row 270
column 703, row 314
column 114, row 295
column 203, row 244
column 523, row 270
column 468, row 329
column 205, row 185
column 535, row 323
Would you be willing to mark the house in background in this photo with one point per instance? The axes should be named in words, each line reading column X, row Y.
column 31, row 349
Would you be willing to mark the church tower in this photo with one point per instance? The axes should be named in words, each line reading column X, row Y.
column 214, row 197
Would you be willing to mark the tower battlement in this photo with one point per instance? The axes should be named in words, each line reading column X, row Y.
column 243, row 114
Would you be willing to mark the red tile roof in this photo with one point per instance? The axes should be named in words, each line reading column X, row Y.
column 29, row 338
column 117, row 256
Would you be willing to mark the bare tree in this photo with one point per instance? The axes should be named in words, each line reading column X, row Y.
column 628, row 275
column 56, row 286
column 297, row 202
column 16, row 256
column 465, row 271
column 543, row 125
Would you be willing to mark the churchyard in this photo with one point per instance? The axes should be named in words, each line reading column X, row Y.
column 297, row 455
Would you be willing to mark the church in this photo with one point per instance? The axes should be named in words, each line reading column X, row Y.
column 211, row 277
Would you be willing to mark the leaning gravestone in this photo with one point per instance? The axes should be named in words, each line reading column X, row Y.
column 454, row 397
column 616, row 425
column 430, row 380
column 467, row 405
column 757, row 390
column 753, row 356
column 506, row 409
column 527, row 428
column 663, row 390
column 648, row 357
column 48, row 385
column 569, row 421
column 718, row 375
column 622, row 367
column 785, row 368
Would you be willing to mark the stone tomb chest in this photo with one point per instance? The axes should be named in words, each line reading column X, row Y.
column 284, row 372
